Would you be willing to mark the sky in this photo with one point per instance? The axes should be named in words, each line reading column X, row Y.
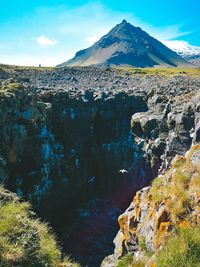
column 49, row 32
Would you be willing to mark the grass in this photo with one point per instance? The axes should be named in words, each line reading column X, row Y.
column 175, row 188
column 24, row 240
column 176, row 195
column 12, row 87
column 177, row 232
column 11, row 68
column 128, row 261
column 162, row 71
column 182, row 250
column 132, row 71
column 178, row 190
column 143, row 246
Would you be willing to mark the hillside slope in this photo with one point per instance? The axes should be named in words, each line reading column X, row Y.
column 24, row 240
column 194, row 59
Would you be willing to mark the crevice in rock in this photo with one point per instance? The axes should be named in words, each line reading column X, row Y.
column 75, row 156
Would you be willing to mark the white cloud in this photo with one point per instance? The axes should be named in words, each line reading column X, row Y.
column 45, row 41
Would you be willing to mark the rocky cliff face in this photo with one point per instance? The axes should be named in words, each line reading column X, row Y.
column 61, row 146
column 61, row 134
column 157, row 212
column 66, row 143
column 166, row 130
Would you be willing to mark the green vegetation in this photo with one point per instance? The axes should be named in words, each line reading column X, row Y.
column 177, row 233
column 182, row 250
column 176, row 196
column 175, row 189
column 11, row 68
column 143, row 246
column 179, row 191
column 12, row 87
column 24, row 240
column 131, row 71
column 127, row 261
column 162, row 71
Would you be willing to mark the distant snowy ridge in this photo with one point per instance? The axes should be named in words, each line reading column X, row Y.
column 183, row 48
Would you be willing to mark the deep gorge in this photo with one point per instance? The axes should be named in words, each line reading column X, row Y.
column 72, row 145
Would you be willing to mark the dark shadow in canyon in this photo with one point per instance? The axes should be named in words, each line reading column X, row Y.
column 70, row 170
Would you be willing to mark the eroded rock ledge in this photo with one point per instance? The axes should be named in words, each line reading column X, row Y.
column 157, row 212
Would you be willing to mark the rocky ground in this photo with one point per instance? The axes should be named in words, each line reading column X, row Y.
column 67, row 144
column 78, row 80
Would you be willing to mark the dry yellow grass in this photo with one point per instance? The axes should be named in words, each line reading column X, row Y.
column 162, row 71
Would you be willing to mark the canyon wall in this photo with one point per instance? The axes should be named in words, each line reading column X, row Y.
column 169, row 208
column 67, row 144
column 61, row 151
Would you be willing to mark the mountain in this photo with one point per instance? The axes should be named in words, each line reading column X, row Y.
column 194, row 59
column 126, row 45
column 189, row 52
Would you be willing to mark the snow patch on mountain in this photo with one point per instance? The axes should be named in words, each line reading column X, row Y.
column 183, row 48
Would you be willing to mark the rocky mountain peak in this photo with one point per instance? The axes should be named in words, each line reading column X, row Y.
column 127, row 46
column 124, row 21
column 122, row 24
column 124, row 30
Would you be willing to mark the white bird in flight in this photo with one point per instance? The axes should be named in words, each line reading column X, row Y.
column 123, row 171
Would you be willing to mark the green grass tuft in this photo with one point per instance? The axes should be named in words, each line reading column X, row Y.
column 128, row 261
column 162, row 71
column 182, row 250
column 24, row 240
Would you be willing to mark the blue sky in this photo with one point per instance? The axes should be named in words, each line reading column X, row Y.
column 49, row 32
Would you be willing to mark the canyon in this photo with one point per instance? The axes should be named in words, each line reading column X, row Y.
column 78, row 143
